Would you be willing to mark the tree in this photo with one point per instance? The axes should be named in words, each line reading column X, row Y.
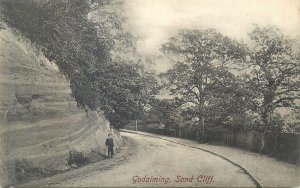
column 110, row 15
column 227, row 101
column 200, row 56
column 166, row 112
column 61, row 30
column 274, row 80
column 126, row 93
column 84, row 50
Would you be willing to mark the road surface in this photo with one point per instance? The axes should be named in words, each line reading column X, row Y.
column 161, row 163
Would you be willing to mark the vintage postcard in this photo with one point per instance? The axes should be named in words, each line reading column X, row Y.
column 149, row 93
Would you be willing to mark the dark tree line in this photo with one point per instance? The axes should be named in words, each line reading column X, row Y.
column 77, row 36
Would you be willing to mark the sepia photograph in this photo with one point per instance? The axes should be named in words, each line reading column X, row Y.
column 149, row 93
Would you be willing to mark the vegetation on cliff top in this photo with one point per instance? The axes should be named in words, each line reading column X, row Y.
column 83, row 51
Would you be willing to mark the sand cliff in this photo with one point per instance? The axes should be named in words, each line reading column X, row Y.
column 40, row 121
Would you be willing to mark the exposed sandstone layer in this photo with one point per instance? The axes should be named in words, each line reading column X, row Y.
column 39, row 120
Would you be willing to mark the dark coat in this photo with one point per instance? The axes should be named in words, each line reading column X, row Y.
column 109, row 142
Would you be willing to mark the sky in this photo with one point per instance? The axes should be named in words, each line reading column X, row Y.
column 154, row 21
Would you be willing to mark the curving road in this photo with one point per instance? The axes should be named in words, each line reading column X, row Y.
column 161, row 163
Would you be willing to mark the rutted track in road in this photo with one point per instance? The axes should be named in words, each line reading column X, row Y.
column 257, row 184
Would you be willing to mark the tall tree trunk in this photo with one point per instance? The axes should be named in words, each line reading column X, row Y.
column 267, row 112
column 266, row 119
column 201, row 103
column 203, row 127
column 202, row 122
column 276, row 140
column 202, row 118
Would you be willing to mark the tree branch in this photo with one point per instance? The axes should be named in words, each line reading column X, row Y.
column 286, row 98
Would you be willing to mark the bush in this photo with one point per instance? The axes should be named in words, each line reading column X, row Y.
column 77, row 158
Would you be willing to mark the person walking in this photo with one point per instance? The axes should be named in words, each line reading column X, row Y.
column 110, row 145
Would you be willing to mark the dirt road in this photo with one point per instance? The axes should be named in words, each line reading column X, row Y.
column 162, row 163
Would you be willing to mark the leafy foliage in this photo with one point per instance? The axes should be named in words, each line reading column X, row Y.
column 274, row 80
column 166, row 112
column 61, row 29
column 84, row 52
column 224, row 82
column 199, row 78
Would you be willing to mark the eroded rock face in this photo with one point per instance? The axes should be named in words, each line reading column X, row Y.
column 39, row 120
